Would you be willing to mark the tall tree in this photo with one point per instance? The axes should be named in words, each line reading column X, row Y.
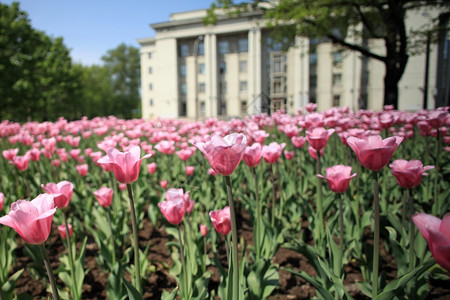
column 123, row 65
column 380, row 19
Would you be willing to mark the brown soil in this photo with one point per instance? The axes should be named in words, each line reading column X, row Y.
column 289, row 287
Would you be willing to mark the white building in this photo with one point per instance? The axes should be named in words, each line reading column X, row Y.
column 234, row 68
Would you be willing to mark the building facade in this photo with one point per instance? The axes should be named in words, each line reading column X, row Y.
column 234, row 68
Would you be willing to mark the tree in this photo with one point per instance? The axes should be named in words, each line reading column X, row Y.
column 123, row 65
column 332, row 19
column 34, row 68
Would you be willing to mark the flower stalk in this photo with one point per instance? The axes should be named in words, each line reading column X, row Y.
column 137, row 268
column 234, row 237
column 48, row 267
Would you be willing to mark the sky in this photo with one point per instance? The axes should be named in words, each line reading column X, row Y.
column 92, row 27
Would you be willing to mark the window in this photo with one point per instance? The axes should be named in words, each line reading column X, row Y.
column 313, row 81
column 277, row 88
column 202, row 108
column 184, row 50
column 336, row 100
column 243, row 66
column 201, row 48
column 313, row 58
column 150, row 70
column 337, row 79
column 223, row 47
column 183, row 70
column 150, row 102
column 149, row 55
column 201, row 68
column 243, row 107
column 243, row 45
column 222, row 67
column 243, row 86
column 183, row 89
column 222, row 87
column 150, row 86
column 201, row 87
column 337, row 57
column 277, row 66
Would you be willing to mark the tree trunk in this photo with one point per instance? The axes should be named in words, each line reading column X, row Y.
column 391, row 85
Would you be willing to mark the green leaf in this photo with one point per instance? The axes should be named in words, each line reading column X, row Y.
column 314, row 282
column 166, row 296
column 133, row 294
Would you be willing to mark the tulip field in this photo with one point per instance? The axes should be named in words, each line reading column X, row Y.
column 331, row 205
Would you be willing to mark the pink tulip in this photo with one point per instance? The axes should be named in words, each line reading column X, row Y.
column 10, row 153
column 174, row 194
column 313, row 152
column 2, row 200
column 21, row 162
column 62, row 192
column 272, row 152
column 151, row 167
column 203, row 230
column 104, row 196
column 62, row 230
column 318, row 137
column 338, row 177
column 82, row 169
column 126, row 165
column 310, row 107
column 298, row 141
column 56, row 162
column 173, row 210
column 163, row 184
column 189, row 170
column 74, row 153
column 166, row 147
column 34, row 154
column 289, row 154
column 212, row 172
column 32, row 220
column 259, row 136
column 437, row 234
column 122, row 186
column 408, row 173
column 373, row 152
column 185, row 154
column 221, row 220
column 252, row 155
column 224, row 154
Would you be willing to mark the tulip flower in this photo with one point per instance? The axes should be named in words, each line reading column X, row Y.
column 151, row 167
column 163, row 184
column 56, row 162
column 224, row 154
column 221, row 220
column 203, row 230
column 373, row 152
column 21, row 162
column 34, row 154
column 125, row 165
column 173, row 210
column 82, row 169
column 272, row 152
column 318, row 137
column 2, row 200
column 298, row 141
column 338, row 177
column 104, row 196
column 62, row 192
column 32, row 220
column 62, row 230
column 189, row 170
column 408, row 173
column 437, row 234
column 252, row 155
column 10, row 153
column 289, row 154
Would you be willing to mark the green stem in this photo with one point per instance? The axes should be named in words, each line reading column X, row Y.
column 437, row 205
column 113, row 247
column 274, row 196
column 319, row 194
column 234, row 237
column 258, row 217
column 280, row 212
column 341, row 233
column 48, row 267
column 412, row 256
column 376, row 239
column 404, row 203
column 72, row 269
column 137, row 266
column 183, row 262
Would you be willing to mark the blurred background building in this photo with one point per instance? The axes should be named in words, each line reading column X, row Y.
column 235, row 68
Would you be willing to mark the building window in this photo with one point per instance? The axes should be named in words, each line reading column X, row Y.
column 183, row 89
column 337, row 79
column 277, row 88
column 149, row 55
column 150, row 86
column 201, row 48
column 223, row 47
column 243, row 45
column 222, row 87
column 337, row 57
column 277, row 66
column 183, row 70
column 336, row 100
column 201, row 68
column 313, row 58
column 184, row 50
column 202, row 108
column 243, row 66
column 201, row 87
column 150, row 70
column 243, row 107
column 243, row 86
column 313, row 81
column 222, row 67
column 150, row 102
